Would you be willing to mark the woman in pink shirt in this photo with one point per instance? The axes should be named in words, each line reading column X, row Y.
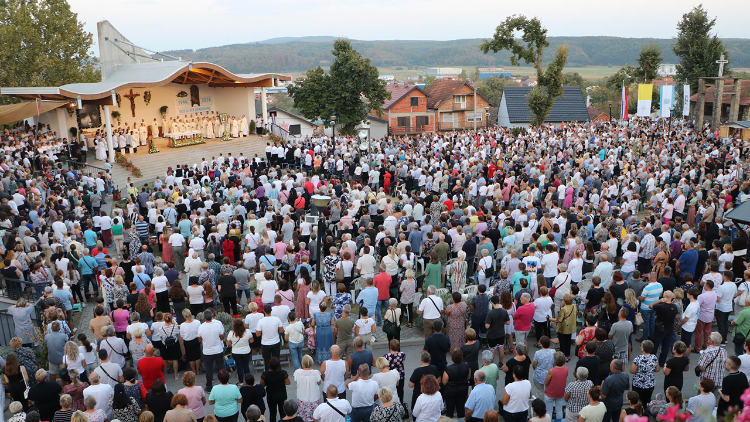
column 121, row 318
column 522, row 319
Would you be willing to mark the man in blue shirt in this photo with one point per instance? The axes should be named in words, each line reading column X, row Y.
column 369, row 297
column 67, row 299
column 481, row 399
column 90, row 237
column 185, row 225
column 87, row 265
column 688, row 260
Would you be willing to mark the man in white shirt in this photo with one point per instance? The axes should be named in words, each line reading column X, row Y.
column 101, row 392
column 333, row 409
column 109, row 373
column 549, row 264
column 178, row 249
column 280, row 311
column 268, row 330
column 366, row 264
column 115, row 346
column 198, row 245
column 725, row 297
column 431, row 308
column 268, row 289
column 211, row 334
column 363, row 391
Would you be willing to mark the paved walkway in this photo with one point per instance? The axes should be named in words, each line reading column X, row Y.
column 155, row 165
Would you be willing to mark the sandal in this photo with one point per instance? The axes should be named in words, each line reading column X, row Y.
column 409, row 325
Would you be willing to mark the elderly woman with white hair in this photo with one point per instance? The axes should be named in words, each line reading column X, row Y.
column 560, row 286
column 393, row 315
column 92, row 413
column 485, row 270
column 16, row 409
column 457, row 272
column 576, row 394
column 138, row 345
column 308, row 392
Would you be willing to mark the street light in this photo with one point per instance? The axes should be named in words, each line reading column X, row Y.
column 333, row 127
column 487, row 116
column 671, row 109
column 610, row 111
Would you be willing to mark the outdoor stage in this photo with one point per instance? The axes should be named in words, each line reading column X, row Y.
column 155, row 165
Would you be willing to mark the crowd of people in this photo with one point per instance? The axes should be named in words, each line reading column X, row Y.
column 563, row 241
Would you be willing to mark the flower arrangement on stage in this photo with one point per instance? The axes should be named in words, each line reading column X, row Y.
column 152, row 149
column 121, row 160
column 147, row 97
column 276, row 138
column 182, row 94
column 186, row 142
column 118, row 99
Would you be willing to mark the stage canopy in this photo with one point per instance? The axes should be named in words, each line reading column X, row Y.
column 144, row 75
column 15, row 112
column 740, row 213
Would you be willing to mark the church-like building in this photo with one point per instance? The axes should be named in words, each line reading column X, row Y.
column 147, row 87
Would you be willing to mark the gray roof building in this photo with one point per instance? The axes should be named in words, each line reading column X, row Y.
column 514, row 111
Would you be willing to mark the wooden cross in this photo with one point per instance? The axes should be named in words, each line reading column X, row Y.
column 721, row 63
column 131, row 97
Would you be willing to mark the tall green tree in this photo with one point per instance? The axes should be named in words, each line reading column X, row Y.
column 530, row 49
column 492, row 88
column 428, row 80
column 349, row 91
column 649, row 60
column 42, row 43
column 697, row 48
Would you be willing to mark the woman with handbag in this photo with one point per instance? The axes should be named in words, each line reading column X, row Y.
column 16, row 379
column 171, row 337
column 392, row 320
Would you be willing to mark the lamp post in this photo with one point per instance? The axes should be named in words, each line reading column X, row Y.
column 320, row 202
column 333, row 127
column 671, row 109
column 610, row 111
column 487, row 117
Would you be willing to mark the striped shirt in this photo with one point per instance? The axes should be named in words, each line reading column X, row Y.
column 141, row 228
column 651, row 294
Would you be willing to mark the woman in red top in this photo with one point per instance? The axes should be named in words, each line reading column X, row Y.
column 554, row 386
column 387, row 181
column 228, row 247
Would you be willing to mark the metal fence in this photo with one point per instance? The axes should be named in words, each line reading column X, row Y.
column 15, row 288
column 84, row 167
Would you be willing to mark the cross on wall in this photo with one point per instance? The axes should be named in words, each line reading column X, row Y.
column 132, row 96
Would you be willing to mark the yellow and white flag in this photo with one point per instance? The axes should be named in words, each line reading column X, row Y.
column 645, row 92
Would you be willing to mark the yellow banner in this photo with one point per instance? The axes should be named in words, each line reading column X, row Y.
column 645, row 91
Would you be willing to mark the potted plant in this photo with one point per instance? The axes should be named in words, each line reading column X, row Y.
column 116, row 116
column 252, row 126
column 74, row 132
column 163, row 110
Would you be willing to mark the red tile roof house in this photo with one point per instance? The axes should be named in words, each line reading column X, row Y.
column 452, row 104
column 406, row 111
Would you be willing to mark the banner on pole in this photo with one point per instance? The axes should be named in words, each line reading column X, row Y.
column 624, row 103
column 666, row 100
column 645, row 91
column 686, row 100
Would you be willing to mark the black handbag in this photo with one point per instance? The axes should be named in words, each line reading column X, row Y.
column 739, row 338
column 697, row 368
column 391, row 328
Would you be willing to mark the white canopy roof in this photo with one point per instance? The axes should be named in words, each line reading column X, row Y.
column 142, row 75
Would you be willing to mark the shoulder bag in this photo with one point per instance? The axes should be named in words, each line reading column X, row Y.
column 390, row 327
column 339, row 276
column 554, row 288
column 739, row 338
column 438, row 309
column 697, row 369
column 325, row 400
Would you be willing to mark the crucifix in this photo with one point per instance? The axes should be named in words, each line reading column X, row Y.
column 721, row 63
column 132, row 96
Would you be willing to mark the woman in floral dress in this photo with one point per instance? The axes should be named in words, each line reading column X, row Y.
column 456, row 312
column 308, row 392
column 340, row 299
column 303, row 288
column 457, row 272
column 396, row 359
column 643, row 368
column 166, row 247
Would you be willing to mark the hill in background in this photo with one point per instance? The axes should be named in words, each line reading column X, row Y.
column 289, row 54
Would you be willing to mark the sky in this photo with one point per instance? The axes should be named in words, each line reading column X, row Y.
column 192, row 24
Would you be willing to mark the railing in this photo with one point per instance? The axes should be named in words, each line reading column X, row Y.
column 15, row 288
column 407, row 129
column 279, row 131
column 86, row 167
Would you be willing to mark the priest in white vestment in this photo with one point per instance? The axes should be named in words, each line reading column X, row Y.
column 217, row 127
column 122, row 141
column 101, row 149
column 155, row 129
column 165, row 126
column 244, row 126
column 235, row 128
column 209, row 129
column 143, row 134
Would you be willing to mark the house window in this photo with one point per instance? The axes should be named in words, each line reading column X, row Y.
column 460, row 100
column 402, row 121
column 295, row 129
column 423, row 120
column 415, row 101
column 447, row 118
column 472, row 117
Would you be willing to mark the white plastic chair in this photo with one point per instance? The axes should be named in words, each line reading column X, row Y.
column 472, row 290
